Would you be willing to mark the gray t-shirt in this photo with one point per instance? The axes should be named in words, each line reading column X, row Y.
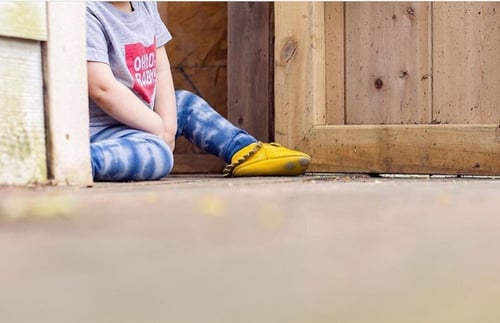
column 127, row 42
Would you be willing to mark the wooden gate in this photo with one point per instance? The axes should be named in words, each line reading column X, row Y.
column 399, row 87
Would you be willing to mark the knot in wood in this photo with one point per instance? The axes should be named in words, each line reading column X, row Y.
column 378, row 83
column 288, row 51
column 410, row 11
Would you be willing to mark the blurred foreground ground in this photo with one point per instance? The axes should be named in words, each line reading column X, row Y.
column 322, row 248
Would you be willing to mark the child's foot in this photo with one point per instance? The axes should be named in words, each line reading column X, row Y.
column 259, row 159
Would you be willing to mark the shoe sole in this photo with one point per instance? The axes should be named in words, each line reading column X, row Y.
column 285, row 166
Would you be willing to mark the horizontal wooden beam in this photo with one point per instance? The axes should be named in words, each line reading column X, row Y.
column 197, row 164
column 415, row 149
column 22, row 19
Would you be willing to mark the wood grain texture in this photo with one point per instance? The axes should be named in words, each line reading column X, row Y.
column 466, row 62
column 202, row 81
column 393, row 45
column 414, row 149
column 197, row 164
column 199, row 31
column 388, row 63
column 66, row 98
column 22, row 135
column 198, row 50
column 299, row 70
column 23, row 19
column 334, row 62
column 250, row 88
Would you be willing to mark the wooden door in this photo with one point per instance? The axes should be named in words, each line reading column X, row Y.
column 399, row 87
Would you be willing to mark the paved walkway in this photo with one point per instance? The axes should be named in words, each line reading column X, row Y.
column 209, row 249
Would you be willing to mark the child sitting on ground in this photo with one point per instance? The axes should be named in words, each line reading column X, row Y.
column 136, row 115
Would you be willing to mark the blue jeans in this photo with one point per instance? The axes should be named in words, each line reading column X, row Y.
column 120, row 153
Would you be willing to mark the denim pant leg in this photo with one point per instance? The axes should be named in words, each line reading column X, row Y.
column 119, row 153
column 207, row 129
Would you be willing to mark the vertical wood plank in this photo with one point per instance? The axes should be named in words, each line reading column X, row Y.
column 299, row 70
column 466, row 62
column 249, row 84
column 388, row 63
column 23, row 19
column 22, row 135
column 334, row 62
column 66, row 100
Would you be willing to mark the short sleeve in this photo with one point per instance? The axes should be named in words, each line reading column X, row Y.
column 97, row 45
column 163, row 35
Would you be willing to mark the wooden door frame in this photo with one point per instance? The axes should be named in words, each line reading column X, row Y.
column 300, row 109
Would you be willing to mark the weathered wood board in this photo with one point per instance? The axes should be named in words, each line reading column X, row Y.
column 388, row 63
column 334, row 62
column 419, row 149
column 23, row 19
column 66, row 98
column 198, row 50
column 411, row 105
column 466, row 60
column 250, row 69
column 22, row 135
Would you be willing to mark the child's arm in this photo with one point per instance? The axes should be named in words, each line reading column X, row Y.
column 165, row 104
column 119, row 102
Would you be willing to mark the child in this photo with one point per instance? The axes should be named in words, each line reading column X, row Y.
column 136, row 115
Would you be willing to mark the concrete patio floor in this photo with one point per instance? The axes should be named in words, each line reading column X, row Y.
column 315, row 248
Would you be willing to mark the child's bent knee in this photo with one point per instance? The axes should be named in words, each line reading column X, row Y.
column 132, row 159
column 160, row 160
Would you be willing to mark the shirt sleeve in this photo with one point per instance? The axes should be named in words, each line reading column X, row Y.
column 97, row 45
column 163, row 35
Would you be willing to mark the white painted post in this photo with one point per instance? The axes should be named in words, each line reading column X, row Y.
column 66, row 98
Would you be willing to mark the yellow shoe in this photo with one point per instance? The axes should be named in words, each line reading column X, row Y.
column 259, row 159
